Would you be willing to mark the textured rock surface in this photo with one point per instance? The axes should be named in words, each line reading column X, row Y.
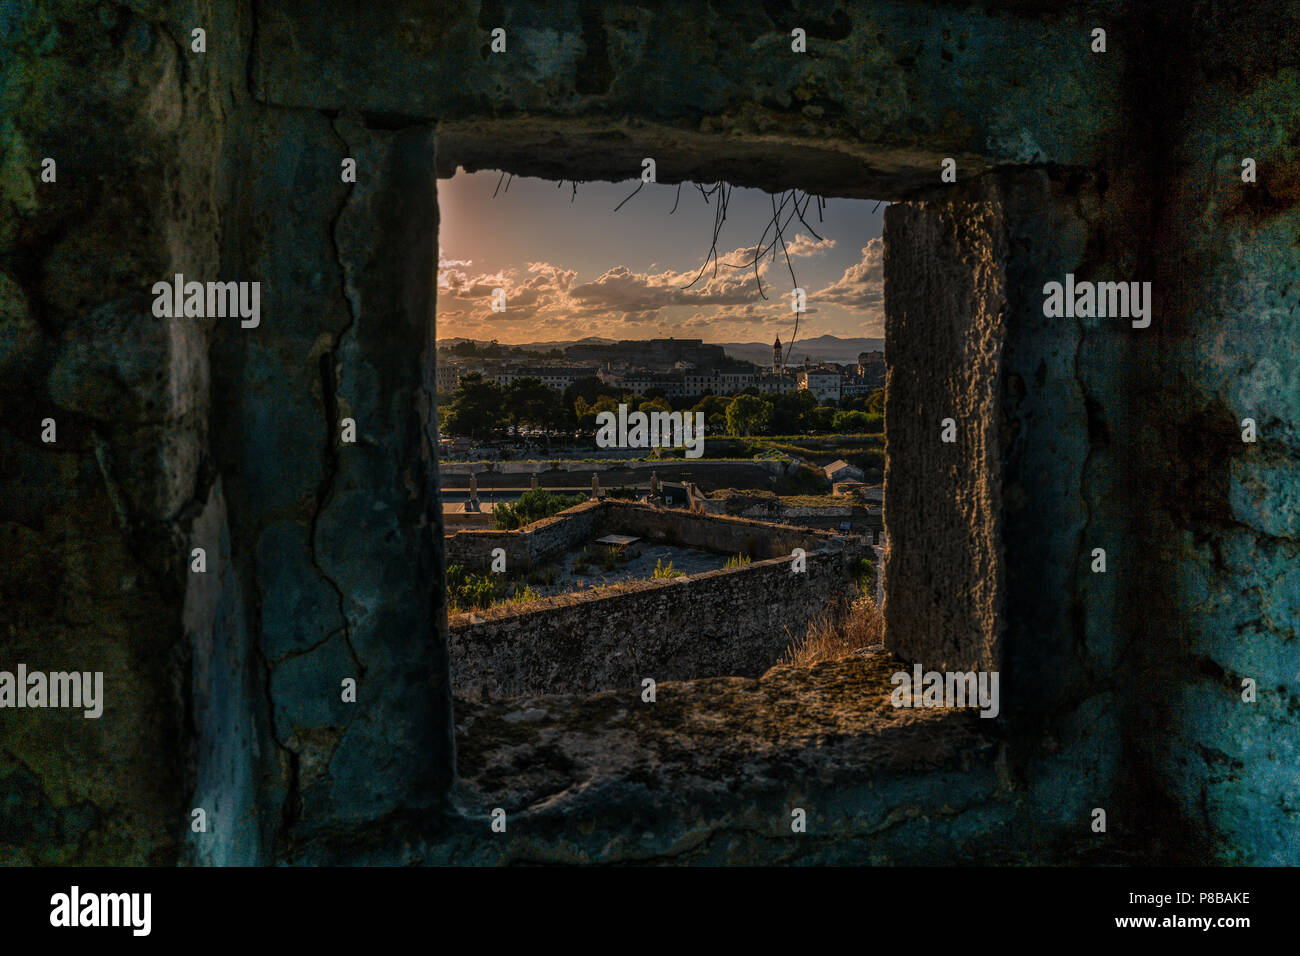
column 96, row 526
column 713, row 89
column 710, row 773
column 944, row 573
column 1221, row 535
column 732, row 621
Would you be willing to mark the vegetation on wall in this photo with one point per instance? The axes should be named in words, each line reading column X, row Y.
column 533, row 505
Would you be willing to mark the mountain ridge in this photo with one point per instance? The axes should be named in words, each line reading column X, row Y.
column 819, row 348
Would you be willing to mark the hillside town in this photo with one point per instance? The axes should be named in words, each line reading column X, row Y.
column 672, row 368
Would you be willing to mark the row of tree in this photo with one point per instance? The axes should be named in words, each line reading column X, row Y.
column 480, row 408
column 493, row 350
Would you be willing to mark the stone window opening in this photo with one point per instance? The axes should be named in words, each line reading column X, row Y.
column 540, row 757
column 520, row 602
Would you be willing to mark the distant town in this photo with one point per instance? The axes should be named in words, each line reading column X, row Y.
column 671, row 368
column 790, row 445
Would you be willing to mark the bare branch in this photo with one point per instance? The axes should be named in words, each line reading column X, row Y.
column 634, row 192
column 780, row 235
column 776, row 228
column 719, row 217
column 808, row 199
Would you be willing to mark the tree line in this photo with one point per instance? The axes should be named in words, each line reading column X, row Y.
column 482, row 408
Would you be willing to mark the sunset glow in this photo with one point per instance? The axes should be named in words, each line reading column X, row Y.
column 573, row 267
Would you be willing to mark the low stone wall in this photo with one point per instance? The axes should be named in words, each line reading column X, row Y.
column 734, row 621
column 467, row 520
column 721, row 533
column 864, row 521
column 447, row 469
column 535, row 542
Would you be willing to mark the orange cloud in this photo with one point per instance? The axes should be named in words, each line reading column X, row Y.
column 547, row 300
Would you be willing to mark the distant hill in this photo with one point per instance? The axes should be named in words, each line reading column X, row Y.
column 821, row 348
column 530, row 346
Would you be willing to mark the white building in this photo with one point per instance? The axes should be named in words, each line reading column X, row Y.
column 770, row 383
column 558, row 377
column 823, row 383
column 733, row 379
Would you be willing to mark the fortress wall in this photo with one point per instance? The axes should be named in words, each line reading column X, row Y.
column 734, row 621
column 722, row 533
column 535, row 542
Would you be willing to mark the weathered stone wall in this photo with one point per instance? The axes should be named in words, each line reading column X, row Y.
column 862, row 520
column 944, row 572
column 733, row 621
column 1216, row 553
column 767, row 468
column 340, row 541
column 545, row 539
column 893, row 87
column 724, row 534
column 97, row 527
column 1121, row 689
column 1062, row 495
column 528, row 545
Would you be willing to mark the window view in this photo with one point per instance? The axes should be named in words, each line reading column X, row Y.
column 643, row 383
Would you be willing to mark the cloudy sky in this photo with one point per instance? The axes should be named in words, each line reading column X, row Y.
column 575, row 267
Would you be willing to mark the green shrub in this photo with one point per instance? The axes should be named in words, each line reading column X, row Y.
column 613, row 557
column 533, row 505
column 666, row 570
column 865, row 574
column 523, row 595
column 467, row 590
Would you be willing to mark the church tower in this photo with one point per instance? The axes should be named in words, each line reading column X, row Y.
column 776, row 356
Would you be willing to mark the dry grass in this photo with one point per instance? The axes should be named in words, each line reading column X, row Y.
column 835, row 635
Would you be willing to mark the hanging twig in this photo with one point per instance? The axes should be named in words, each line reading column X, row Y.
column 677, row 200
column 719, row 217
column 780, row 235
column 775, row 226
column 762, row 249
column 808, row 199
column 634, row 192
